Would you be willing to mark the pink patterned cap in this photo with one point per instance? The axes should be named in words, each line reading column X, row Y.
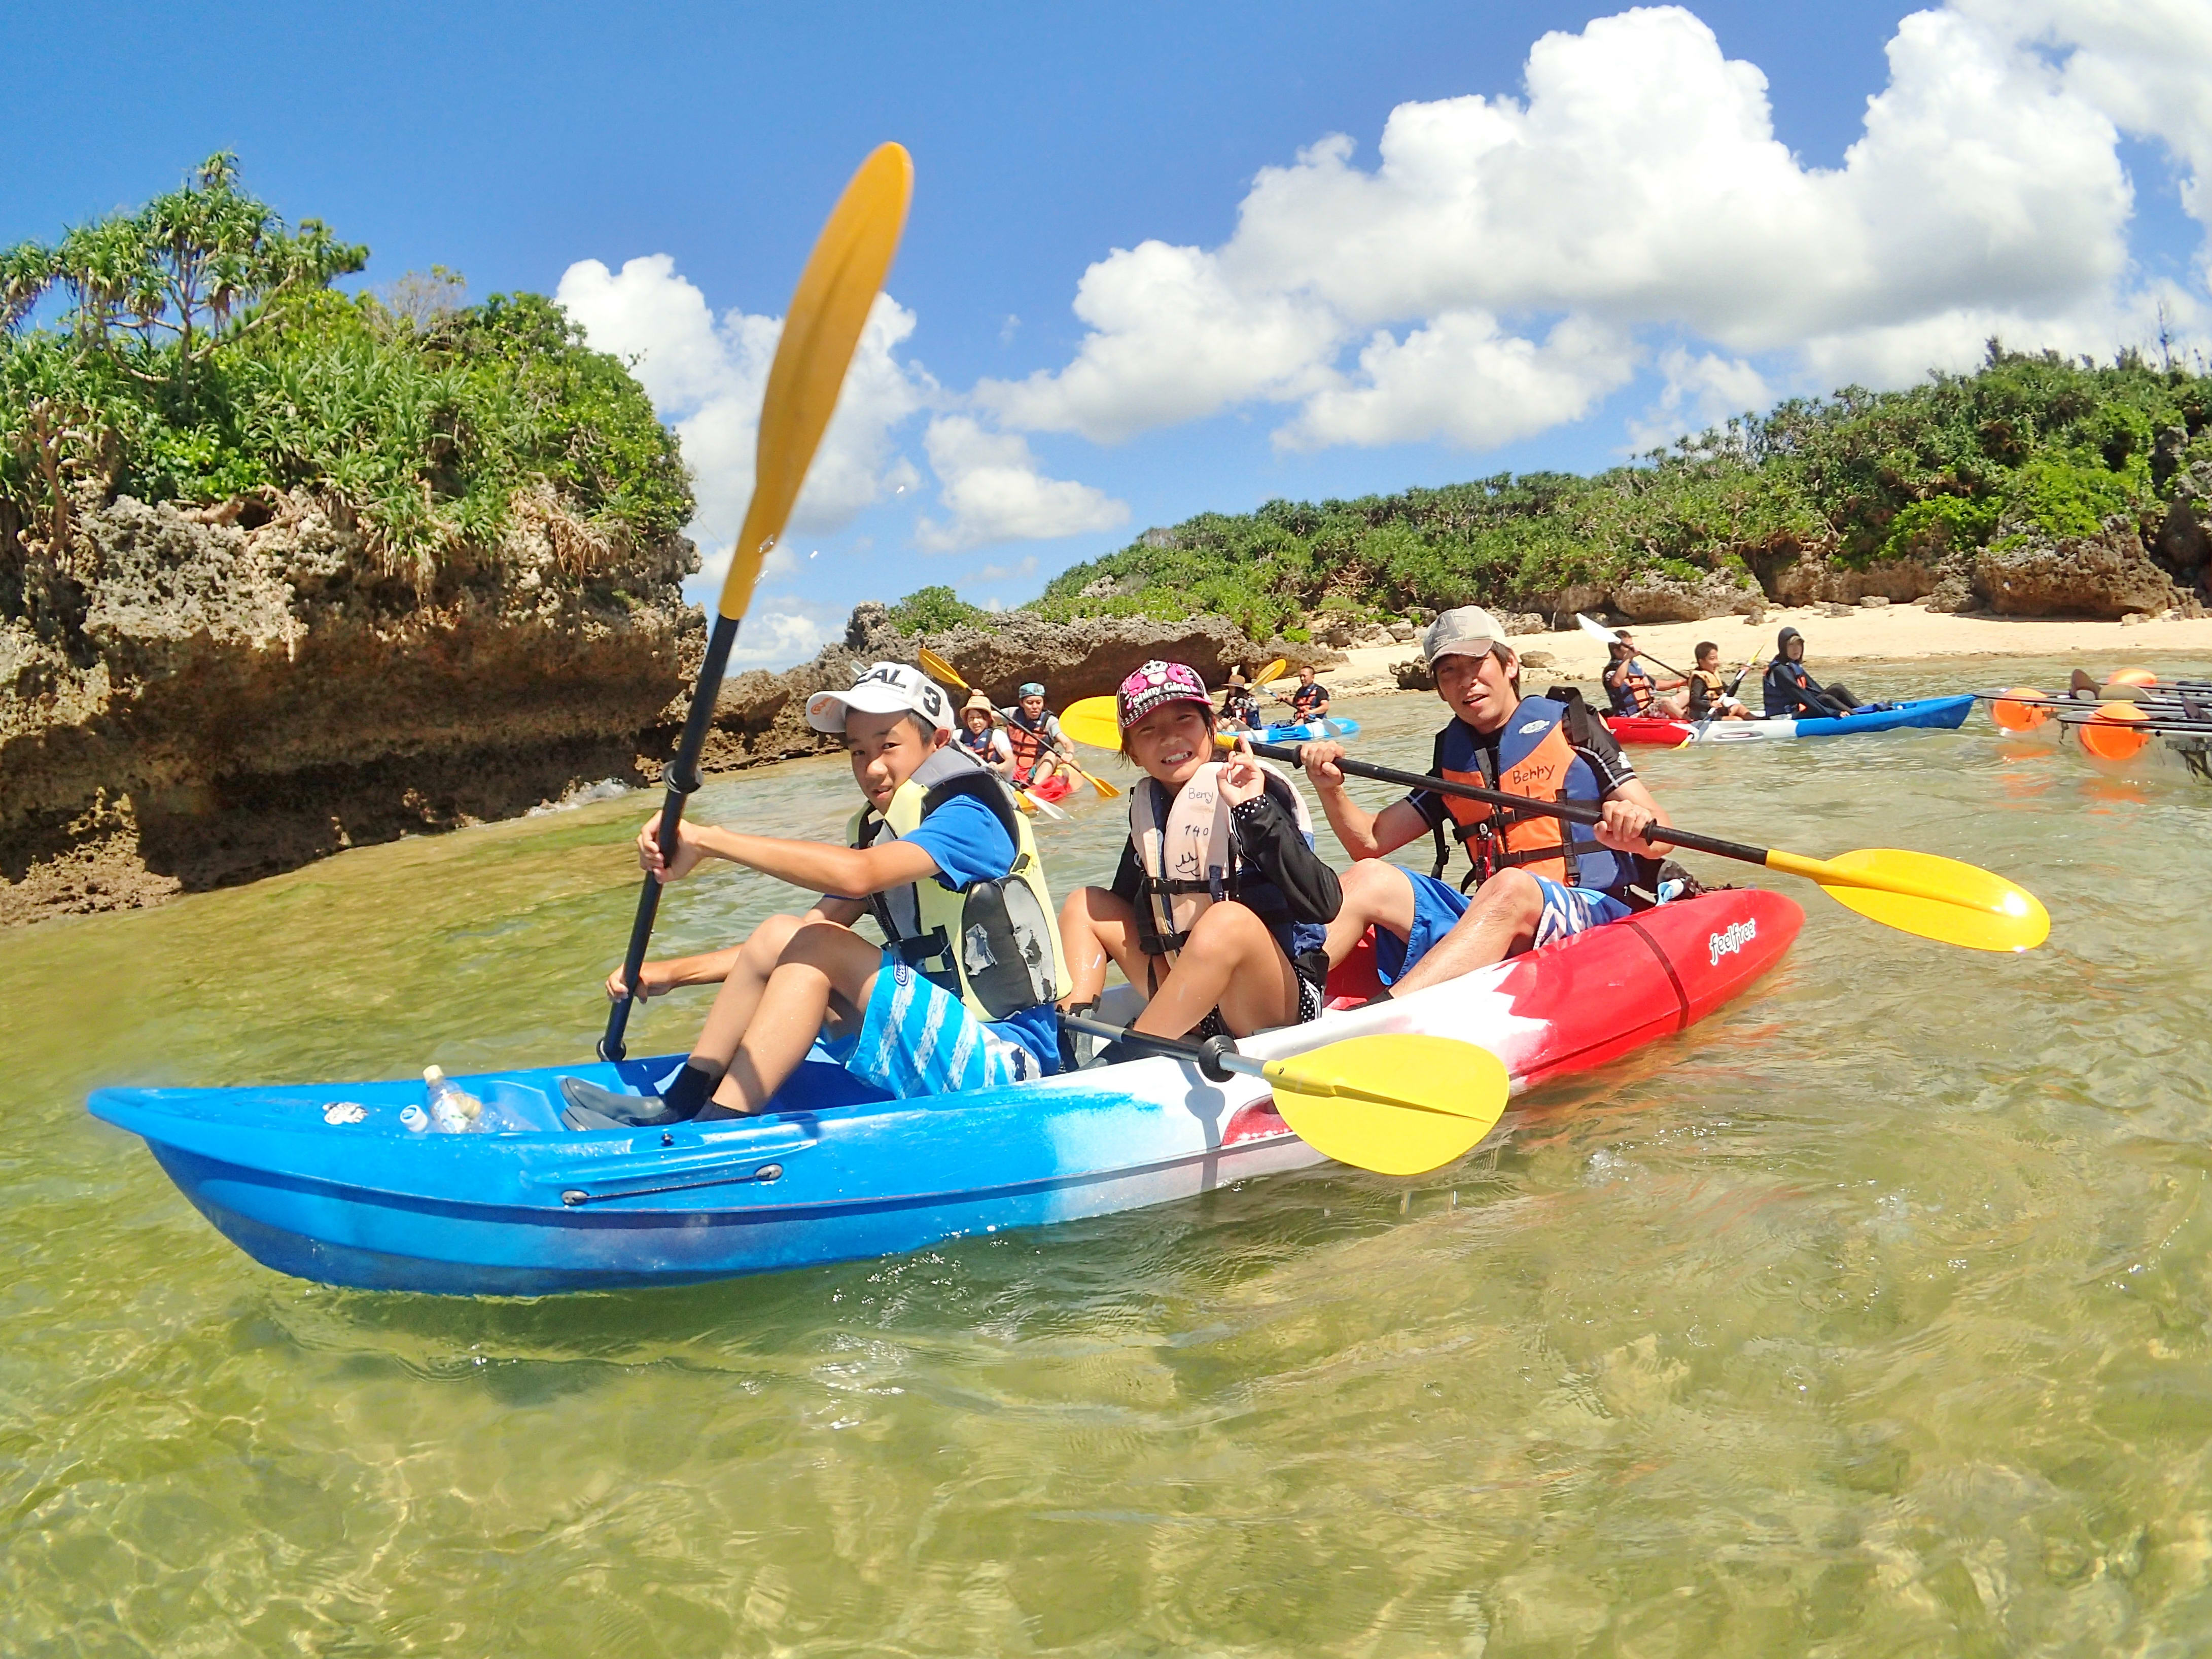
column 1157, row 683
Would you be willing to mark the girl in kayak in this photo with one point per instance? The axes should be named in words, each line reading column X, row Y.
column 1792, row 694
column 980, row 736
column 1240, row 709
column 1220, row 909
column 1541, row 880
column 960, row 994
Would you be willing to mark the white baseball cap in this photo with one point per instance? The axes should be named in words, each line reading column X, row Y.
column 883, row 687
column 1467, row 630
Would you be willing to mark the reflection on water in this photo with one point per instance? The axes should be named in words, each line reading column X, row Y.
column 1871, row 1317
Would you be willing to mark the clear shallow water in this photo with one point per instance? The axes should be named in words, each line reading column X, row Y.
column 1872, row 1317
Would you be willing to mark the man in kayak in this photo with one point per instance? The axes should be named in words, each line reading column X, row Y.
column 1542, row 879
column 1793, row 694
column 1631, row 688
column 1309, row 698
column 1039, row 745
column 960, row 996
column 1711, row 699
column 1220, row 908
column 1240, row 709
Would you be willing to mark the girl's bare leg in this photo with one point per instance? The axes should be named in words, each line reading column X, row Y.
column 1095, row 927
column 1232, row 963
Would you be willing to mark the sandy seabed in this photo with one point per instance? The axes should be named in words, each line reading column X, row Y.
column 1892, row 633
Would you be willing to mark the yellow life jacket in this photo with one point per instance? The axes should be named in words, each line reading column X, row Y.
column 994, row 943
column 1188, row 855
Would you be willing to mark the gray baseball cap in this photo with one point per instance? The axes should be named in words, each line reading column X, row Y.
column 1467, row 630
column 883, row 687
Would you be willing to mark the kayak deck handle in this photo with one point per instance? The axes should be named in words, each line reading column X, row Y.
column 764, row 1175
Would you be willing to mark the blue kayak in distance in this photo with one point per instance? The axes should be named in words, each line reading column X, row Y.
column 1308, row 732
column 325, row 1182
column 1936, row 714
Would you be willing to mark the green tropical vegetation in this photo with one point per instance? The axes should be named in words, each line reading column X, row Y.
column 2030, row 446
column 196, row 352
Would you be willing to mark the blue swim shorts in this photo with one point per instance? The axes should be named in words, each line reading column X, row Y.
column 918, row 1039
column 1437, row 905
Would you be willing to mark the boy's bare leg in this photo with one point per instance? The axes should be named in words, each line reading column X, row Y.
column 740, row 996
column 822, row 965
column 1232, row 963
column 1097, row 927
column 1501, row 921
column 1376, row 893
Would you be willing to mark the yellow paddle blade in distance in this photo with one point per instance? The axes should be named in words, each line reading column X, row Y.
column 1936, row 898
column 938, row 669
column 1396, row 1105
column 1094, row 720
column 1267, row 676
column 821, row 332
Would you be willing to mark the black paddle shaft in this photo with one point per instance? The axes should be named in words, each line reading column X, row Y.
column 1217, row 1056
column 1572, row 814
column 682, row 778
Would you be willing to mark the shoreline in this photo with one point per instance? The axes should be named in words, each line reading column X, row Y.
column 1894, row 633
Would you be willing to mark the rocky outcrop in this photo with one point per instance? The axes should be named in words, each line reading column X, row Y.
column 190, row 698
column 761, row 716
column 2106, row 575
column 1655, row 597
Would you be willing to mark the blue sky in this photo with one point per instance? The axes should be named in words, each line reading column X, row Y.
column 1553, row 278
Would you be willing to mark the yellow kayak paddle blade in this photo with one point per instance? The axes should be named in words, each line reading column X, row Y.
column 1267, row 676
column 938, row 669
column 1933, row 897
column 1094, row 720
column 1397, row 1105
column 821, row 332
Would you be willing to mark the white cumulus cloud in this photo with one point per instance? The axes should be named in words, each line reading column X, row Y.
column 706, row 375
column 990, row 483
column 1489, row 273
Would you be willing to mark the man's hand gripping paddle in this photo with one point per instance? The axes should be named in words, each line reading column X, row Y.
column 1917, row 893
column 1397, row 1103
column 821, row 332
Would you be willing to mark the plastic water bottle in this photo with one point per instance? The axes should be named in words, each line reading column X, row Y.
column 453, row 1111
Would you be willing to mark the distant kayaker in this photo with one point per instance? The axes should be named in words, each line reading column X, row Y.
column 1309, row 698
column 979, row 735
column 1219, row 910
column 1710, row 696
column 1542, row 879
column 1040, row 746
column 1631, row 689
column 1240, row 709
column 960, row 996
column 1791, row 692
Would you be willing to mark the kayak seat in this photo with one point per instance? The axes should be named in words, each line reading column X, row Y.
column 1356, row 979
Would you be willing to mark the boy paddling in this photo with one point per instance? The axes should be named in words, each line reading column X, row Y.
column 1540, row 880
column 1710, row 696
column 960, row 994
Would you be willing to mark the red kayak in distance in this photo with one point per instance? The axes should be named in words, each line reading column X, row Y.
column 1058, row 786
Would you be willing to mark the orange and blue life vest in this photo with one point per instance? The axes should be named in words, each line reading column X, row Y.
column 1536, row 756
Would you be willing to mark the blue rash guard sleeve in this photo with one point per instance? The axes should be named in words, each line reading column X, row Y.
column 966, row 840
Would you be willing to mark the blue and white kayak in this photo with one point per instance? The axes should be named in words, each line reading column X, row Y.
column 1948, row 714
column 325, row 1180
column 1308, row 732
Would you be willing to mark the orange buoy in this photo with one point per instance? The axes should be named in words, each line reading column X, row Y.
column 2012, row 715
column 2115, row 732
column 2132, row 677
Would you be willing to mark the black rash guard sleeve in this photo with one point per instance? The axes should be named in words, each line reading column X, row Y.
column 1269, row 837
column 1129, row 877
